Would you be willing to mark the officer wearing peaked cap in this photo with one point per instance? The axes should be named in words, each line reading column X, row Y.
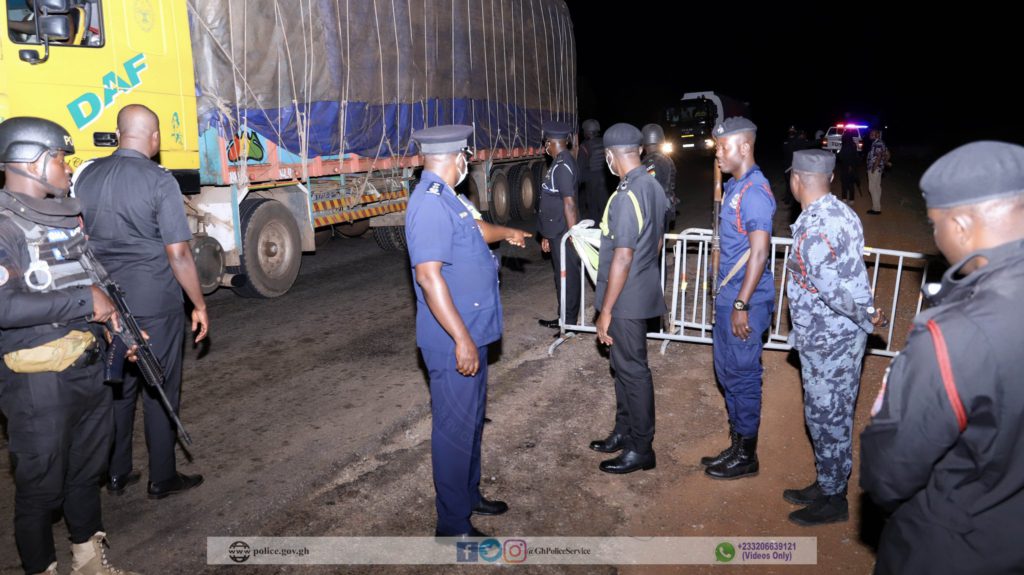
column 943, row 450
column 556, row 214
column 58, row 410
column 458, row 314
column 831, row 308
column 746, row 295
column 628, row 295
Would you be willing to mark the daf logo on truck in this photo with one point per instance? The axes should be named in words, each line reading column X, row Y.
column 86, row 108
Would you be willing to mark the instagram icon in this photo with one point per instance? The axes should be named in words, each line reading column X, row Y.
column 515, row 551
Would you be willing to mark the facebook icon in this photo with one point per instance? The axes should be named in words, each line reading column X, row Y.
column 467, row 551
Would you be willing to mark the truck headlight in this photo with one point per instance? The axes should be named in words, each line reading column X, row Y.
column 666, row 148
column 709, row 143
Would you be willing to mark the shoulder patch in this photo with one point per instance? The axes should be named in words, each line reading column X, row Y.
column 435, row 188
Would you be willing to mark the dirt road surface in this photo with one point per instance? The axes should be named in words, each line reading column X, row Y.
column 310, row 414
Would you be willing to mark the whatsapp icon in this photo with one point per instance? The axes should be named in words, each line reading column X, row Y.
column 725, row 552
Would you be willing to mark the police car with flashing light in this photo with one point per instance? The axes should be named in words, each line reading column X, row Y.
column 833, row 139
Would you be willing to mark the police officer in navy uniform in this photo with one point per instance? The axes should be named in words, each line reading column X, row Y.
column 458, row 314
column 746, row 296
column 832, row 311
column 662, row 168
column 135, row 217
column 629, row 294
column 51, row 382
column 556, row 214
column 945, row 447
column 593, row 173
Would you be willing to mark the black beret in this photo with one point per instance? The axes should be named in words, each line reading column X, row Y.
column 974, row 173
column 813, row 161
column 734, row 125
column 622, row 134
column 443, row 139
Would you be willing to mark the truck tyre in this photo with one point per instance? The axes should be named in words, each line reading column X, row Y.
column 271, row 248
column 524, row 191
column 353, row 229
column 382, row 235
column 501, row 198
column 539, row 168
column 398, row 238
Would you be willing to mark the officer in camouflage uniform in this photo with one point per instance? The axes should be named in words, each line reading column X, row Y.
column 832, row 311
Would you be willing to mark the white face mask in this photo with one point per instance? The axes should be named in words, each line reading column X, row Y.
column 462, row 172
column 608, row 160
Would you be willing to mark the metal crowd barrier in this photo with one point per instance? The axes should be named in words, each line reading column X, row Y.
column 685, row 267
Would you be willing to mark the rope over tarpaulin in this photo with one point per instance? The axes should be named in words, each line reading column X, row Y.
column 325, row 77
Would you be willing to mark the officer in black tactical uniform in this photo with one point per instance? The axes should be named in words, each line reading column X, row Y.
column 557, row 214
column 51, row 383
column 135, row 218
column 662, row 168
column 593, row 178
column 944, row 448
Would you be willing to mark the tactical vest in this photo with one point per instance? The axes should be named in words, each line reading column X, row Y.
column 53, row 254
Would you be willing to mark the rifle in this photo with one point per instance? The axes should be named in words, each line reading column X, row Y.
column 716, row 237
column 128, row 336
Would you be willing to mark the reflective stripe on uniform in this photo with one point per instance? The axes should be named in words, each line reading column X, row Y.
column 636, row 206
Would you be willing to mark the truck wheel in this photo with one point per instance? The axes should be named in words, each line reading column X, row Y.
column 382, row 236
column 501, row 204
column 524, row 191
column 271, row 248
column 209, row 258
column 398, row 238
column 538, row 168
column 353, row 229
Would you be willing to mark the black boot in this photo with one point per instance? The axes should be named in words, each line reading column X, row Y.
column 734, row 442
column 804, row 496
column 827, row 509
column 743, row 463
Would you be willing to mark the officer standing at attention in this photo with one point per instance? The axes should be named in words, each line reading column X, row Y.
column 746, row 295
column 628, row 295
column 831, row 307
column 662, row 168
column 135, row 218
column 945, row 447
column 593, row 179
column 51, row 378
column 458, row 313
column 556, row 214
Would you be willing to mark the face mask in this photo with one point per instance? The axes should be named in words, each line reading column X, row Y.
column 462, row 172
column 608, row 160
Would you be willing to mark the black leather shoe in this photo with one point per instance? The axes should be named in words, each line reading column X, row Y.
column 118, row 483
column 172, row 486
column 629, row 461
column 827, row 509
column 743, row 463
column 734, row 442
column 548, row 322
column 488, row 507
column 804, row 496
column 614, row 442
column 874, row 212
column 473, row 532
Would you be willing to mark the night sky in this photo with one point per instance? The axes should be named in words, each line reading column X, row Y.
column 936, row 79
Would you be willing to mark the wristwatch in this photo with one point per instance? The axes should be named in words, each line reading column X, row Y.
column 740, row 305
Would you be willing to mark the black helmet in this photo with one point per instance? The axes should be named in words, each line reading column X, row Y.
column 591, row 126
column 24, row 139
column 653, row 134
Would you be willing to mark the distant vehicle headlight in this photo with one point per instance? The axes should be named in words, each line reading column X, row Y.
column 666, row 148
column 709, row 143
